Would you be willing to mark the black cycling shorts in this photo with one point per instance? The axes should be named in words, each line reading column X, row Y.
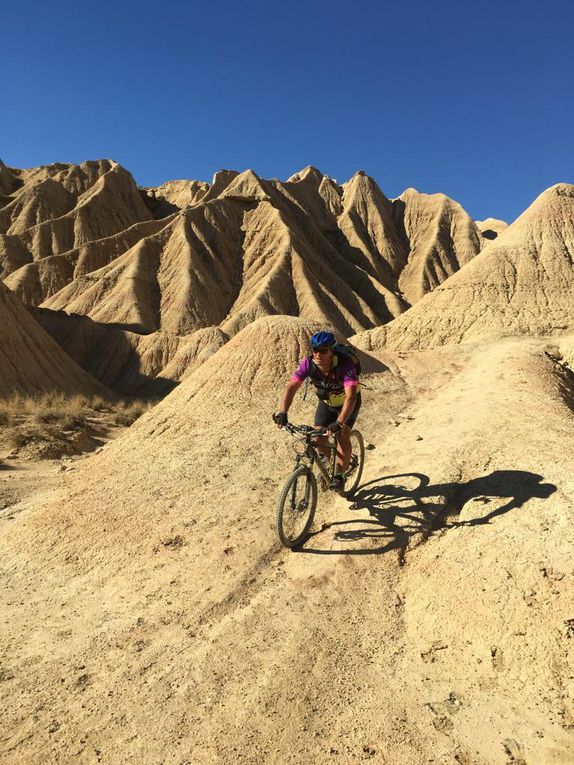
column 325, row 414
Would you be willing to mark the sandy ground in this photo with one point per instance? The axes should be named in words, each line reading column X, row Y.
column 149, row 615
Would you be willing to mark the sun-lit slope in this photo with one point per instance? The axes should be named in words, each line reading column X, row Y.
column 36, row 282
column 174, row 195
column 317, row 195
column 488, row 603
column 289, row 267
column 181, row 279
column 441, row 238
column 60, row 207
column 192, row 351
column 367, row 223
column 30, row 361
column 192, row 636
column 520, row 284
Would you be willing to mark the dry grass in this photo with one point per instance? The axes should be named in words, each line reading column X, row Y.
column 54, row 418
column 128, row 412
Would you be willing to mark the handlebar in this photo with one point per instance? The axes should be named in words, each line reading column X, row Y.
column 305, row 430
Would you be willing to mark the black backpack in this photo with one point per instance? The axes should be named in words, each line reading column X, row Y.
column 348, row 353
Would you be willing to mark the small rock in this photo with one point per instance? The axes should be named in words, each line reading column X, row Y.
column 176, row 541
column 53, row 726
column 5, row 674
column 419, row 438
column 369, row 447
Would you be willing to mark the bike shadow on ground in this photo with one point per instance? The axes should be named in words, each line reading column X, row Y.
column 407, row 505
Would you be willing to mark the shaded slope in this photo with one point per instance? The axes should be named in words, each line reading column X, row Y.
column 30, row 361
column 124, row 361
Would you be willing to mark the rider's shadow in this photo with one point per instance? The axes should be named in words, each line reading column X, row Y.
column 402, row 506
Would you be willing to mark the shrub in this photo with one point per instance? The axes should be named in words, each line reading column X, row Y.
column 16, row 437
column 130, row 412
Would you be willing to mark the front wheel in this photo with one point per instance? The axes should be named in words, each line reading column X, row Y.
column 296, row 507
column 357, row 462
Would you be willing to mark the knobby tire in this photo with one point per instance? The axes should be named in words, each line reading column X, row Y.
column 296, row 506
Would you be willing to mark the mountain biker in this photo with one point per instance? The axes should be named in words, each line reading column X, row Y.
column 335, row 378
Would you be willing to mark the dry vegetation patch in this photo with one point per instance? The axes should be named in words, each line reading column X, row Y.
column 52, row 425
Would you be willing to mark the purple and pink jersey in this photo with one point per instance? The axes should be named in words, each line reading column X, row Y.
column 332, row 387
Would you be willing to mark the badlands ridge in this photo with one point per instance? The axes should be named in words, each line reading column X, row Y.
column 149, row 613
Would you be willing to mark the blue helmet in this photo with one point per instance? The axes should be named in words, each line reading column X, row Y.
column 323, row 339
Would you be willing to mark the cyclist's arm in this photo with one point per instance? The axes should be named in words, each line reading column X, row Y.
column 349, row 403
column 290, row 391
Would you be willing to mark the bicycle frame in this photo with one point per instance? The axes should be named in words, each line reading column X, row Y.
column 312, row 454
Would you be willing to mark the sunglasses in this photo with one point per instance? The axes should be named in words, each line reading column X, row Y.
column 322, row 349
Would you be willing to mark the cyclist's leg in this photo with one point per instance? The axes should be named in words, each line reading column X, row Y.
column 324, row 416
column 343, row 449
column 344, row 439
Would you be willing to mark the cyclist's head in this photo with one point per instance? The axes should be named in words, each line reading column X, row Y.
column 323, row 341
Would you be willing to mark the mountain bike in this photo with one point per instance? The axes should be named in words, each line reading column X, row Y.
column 298, row 498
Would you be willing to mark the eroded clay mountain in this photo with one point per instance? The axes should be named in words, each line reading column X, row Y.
column 520, row 284
column 248, row 252
column 441, row 238
column 53, row 209
column 30, row 361
column 187, row 255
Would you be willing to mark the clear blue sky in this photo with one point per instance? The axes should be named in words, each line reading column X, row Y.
column 474, row 99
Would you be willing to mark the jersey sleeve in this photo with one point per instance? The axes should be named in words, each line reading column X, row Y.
column 349, row 374
column 302, row 371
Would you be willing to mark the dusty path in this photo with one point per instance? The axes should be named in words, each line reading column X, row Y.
column 164, row 625
column 28, row 484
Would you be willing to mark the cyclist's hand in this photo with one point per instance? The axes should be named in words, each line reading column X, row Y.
column 334, row 428
column 280, row 419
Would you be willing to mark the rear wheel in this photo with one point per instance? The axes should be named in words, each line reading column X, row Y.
column 296, row 507
column 355, row 470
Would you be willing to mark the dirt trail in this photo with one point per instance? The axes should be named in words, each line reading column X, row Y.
column 164, row 624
